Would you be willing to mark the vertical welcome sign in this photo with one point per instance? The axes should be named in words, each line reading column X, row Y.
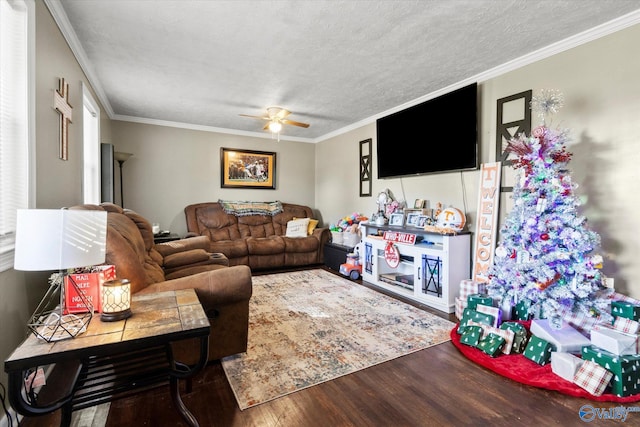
column 488, row 210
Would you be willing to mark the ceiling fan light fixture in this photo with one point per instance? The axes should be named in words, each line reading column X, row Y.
column 275, row 127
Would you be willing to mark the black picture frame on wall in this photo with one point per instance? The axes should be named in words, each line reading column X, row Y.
column 365, row 168
column 247, row 169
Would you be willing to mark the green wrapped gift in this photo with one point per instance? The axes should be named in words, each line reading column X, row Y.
column 625, row 309
column 520, row 336
column 471, row 335
column 625, row 369
column 521, row 310
column 476, row 316
column 538, row 350
column 474, row 300
column 491, row 344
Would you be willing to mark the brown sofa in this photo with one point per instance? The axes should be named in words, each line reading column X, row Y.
column 257, row 240
column 224, row 292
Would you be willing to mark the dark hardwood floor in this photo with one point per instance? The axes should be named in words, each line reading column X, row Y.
column 432, row 387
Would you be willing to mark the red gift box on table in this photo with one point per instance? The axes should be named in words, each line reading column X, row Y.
column 90, row 284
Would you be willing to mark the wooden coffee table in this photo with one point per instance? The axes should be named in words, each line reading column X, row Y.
column 113, row 359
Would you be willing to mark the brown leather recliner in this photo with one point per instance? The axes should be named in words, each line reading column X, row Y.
column 224, row 292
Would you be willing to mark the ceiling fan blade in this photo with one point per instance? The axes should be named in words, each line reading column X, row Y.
column 255, row 117
column 294, row 123
column 283, row 113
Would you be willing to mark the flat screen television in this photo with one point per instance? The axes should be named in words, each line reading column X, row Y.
column 436, row 136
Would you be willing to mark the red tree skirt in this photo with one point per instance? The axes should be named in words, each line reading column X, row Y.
column 520, row 369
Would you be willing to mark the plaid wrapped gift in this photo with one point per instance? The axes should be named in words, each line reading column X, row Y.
column 491, row 344
column 592, row 377
column 507, row 334
column 494, row 311
column 538, row 350
column 476, row 299
column 565, row 339
column 627, row 326
column 521, row 310
column 565, row 365
column 470, row 287
column 520, row 336
column 461, row 304
column 614, row 341
column 469, row 314
column 471, row 335
column 625, row 369
column 625, row 309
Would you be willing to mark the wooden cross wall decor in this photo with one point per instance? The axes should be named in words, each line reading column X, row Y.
column 65, row 110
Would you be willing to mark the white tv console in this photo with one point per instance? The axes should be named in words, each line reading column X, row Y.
column 429, row 271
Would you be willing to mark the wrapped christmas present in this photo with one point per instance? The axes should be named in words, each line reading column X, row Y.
column 470, row 287
column 625, row 369
column 565, row 365
column 476, row 316
column 625, row 309
column 521, row 310
column 592, row 377
column 614, row 341
column 565, row 339
column 471, row 335
column 494, row 311
column 520, row 336
column 627, row 326
column 491, row 344
column 507, row 334
column 461, row 304
column 538, row 350
column 476, row 299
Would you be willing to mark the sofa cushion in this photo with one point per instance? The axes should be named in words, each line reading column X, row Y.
column 265, row 245
column 256, row 226
column 230, row 248
column 301, row 244
column 298, row 227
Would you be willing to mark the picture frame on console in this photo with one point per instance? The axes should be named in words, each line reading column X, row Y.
column 247, row 169
column 396, row 219
column 412, row 219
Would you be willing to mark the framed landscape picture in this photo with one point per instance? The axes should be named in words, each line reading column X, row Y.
column 247, row 169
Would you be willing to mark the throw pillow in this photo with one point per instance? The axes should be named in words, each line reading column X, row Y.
column 313, row 223
column 297, row 227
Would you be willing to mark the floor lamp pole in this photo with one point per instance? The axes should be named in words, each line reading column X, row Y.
column 121, row 158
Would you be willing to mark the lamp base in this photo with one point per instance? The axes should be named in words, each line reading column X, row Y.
column 115, row 316
column 51, row 322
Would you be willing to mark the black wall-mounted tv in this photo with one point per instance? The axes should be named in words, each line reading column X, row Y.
column 436, row 136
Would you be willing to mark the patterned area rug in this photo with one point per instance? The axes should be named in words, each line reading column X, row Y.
column 312, row 326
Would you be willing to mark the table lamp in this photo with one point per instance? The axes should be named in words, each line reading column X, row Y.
column 59, row 239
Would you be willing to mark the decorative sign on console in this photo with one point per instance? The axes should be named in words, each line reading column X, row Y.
column 399, row 237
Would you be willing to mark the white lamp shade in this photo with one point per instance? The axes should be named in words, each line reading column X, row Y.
column 57, row 239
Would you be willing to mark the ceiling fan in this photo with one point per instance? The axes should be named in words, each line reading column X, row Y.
column 276, row 117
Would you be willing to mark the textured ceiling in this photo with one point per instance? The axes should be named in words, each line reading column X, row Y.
column 332, row 63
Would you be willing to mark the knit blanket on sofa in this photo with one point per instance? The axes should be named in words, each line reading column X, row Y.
column 238, row 208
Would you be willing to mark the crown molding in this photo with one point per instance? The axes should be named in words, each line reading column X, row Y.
column 59, row 15
column 261, row 135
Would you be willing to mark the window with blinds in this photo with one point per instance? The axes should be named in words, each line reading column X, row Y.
column 16, row 117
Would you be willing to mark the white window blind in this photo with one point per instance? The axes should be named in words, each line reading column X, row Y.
column 15, row 116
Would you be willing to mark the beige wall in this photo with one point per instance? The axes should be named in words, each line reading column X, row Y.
column 171, row 168
column 58, row 182
column 602, row 111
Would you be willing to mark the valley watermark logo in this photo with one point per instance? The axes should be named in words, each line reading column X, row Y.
column 589, row 413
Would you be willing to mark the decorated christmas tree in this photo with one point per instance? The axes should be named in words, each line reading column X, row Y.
column 547, row 255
